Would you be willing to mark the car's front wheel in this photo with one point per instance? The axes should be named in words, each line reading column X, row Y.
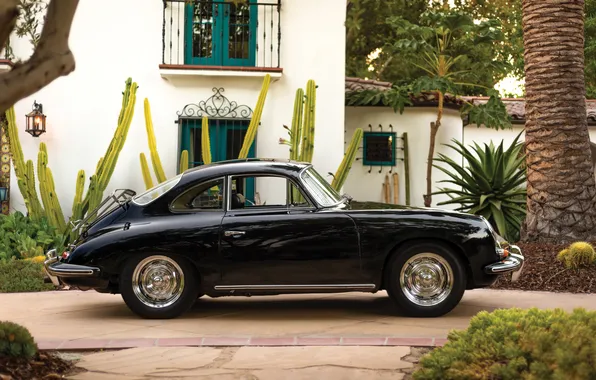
column 425, row 279
column 158, row 286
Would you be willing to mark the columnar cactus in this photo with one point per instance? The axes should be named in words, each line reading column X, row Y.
column 256, row 119
column 24, row 172
column 344, row 168
column 184, row 161
column 47, row 190
column 146, row 173
column 155, row 159
column 205, row 141
column 308, row 123
column 77, row 211
column 295, row 132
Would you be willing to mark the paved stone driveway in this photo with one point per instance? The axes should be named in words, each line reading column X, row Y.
column 341, row 336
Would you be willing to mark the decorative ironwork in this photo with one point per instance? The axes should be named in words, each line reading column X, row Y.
column 216, row 106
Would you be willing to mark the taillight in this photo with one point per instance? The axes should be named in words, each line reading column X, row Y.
column 65, row 255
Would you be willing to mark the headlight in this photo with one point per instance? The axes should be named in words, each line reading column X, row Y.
column 500, row 243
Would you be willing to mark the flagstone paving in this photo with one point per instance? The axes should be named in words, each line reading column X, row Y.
column 76, row 320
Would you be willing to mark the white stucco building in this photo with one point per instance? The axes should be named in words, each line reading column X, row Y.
column 181, row 55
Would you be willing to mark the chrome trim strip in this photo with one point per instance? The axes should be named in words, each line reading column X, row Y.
column 510, row 264
column 298, row 287
column 73, row 272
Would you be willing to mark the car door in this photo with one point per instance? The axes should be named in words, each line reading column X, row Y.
column 274, row 245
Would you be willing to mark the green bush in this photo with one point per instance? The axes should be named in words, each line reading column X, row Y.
column 21, row 238
column 22, row 276
column 579, row 254
column 517, row 344
column 16, row 340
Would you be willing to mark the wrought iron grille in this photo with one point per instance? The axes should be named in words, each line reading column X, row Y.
column 221, row 33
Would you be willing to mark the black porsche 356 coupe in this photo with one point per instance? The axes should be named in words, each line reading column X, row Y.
column 208, row 232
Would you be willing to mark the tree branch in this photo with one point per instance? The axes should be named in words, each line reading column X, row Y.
column 9, row 12
column 51, row 59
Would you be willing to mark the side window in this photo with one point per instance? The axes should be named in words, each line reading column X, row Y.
column 265, row 192
column 206, row 196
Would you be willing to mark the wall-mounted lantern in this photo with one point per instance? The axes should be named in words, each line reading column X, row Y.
column 3, row 193
column 36, row 120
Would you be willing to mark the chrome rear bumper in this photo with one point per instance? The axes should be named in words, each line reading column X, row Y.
column 513, row 263
column 56, row 270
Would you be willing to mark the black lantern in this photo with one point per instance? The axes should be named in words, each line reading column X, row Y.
column 36, row 120
column 3, row 193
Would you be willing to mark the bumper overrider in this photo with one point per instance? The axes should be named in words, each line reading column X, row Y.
column 512, row 262
column 58, row 271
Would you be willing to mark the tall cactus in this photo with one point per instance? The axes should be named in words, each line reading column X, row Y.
column 155, row 160
column 308, row 123
column 77, row 211
column 106, row 165
column 205, row 141
column 47, row 190
column 256, row 119
column 146, row 173
column 23, row 171
column 344, row 168
column 296, row 130
column 183, row 161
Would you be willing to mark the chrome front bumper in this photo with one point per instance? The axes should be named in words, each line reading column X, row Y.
column 56, row 269
column 513, row 263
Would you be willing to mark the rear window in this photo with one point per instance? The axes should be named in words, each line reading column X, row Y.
column 156, row 192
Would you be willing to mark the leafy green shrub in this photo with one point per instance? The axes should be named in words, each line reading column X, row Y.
column 490, row 185
column 517, row 344
column 22, row 238
column 578, row 254
column 16, row 340
column 22, row 276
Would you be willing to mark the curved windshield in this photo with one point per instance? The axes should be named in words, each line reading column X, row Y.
column 156, row 191
column 319, row 188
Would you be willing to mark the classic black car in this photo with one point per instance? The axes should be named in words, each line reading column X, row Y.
column 208, row 232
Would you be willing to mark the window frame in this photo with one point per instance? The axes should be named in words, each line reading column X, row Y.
column 311, row 204
column 365, row 136
column 220, row 34
column 199, row 210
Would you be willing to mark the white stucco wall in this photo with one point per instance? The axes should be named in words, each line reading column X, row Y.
column 82, row 108
column 365, row 186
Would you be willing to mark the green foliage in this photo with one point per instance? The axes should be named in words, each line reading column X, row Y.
column 367, row 31
column 489, row 185
column 22, row 237
column 16, row 340
column 493, row 114
column 577, row 255
column 22, row 276
column 517, row 344
column 398, row 97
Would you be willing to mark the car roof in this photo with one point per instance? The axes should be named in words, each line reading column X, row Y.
column 246, row 165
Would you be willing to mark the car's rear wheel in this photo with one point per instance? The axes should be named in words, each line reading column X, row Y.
column 159, row 286
column 425, row 279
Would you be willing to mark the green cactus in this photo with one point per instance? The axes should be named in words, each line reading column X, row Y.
column 16, row 341
column 407, row 167
column 146, row 172
column 308, row 123
column 184, row 161
column 47, row 190
column 155, row 159
column 344, row 168
column 78, row 198
column 24, row 173
column 205, row 141
column 296, row 124
column 256, row 119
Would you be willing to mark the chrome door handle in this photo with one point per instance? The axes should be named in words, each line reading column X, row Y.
column 234, row 233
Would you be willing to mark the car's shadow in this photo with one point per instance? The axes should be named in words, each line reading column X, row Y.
column 276, row 308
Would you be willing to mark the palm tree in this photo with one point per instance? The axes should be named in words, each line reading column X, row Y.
column 561, row 191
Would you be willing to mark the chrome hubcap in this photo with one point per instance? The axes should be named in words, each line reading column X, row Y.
column 158, row 281
column 426, row 279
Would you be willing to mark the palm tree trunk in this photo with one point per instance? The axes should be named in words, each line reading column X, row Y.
column 561, row 188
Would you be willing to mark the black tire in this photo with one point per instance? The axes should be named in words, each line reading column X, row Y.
column 446, row 262
column 184, row 295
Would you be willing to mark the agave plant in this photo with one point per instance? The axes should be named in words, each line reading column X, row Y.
column 490, row 184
